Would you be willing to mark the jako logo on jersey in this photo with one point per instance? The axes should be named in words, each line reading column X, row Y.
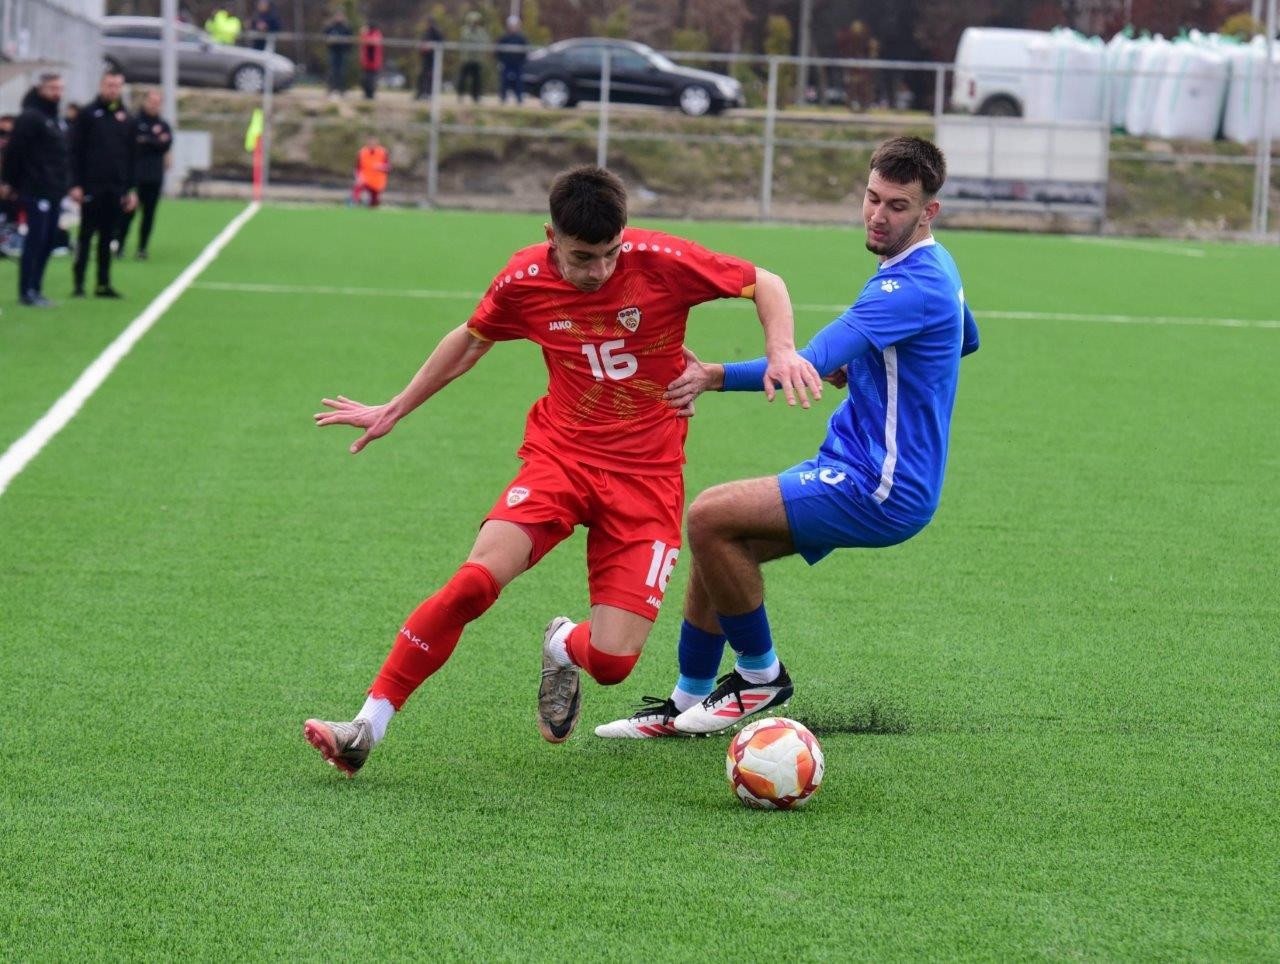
column 517, row 495
column 655, row 602
column 889, row 285
column 629, row 318
column 831, row 477
column 563, row 325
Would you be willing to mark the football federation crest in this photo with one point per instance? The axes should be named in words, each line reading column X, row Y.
column 629, row 318
column 516, row 495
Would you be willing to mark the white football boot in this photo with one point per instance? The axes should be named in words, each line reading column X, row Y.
column 654, row 719
column 733, row 702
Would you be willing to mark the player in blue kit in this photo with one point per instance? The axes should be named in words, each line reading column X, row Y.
column 877, row 476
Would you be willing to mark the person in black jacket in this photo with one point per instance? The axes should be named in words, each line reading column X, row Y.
column 102, row 172
column 427, row 53
column 264, row 21
column 152, row 138
column 36, row 167
column 337, row 36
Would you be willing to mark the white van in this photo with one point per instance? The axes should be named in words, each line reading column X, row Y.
column 991, row 70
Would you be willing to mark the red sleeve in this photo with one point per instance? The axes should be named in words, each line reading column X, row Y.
column 699, row 274
column 497, row 316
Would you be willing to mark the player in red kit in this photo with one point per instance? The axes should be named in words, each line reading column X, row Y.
column 608, row 305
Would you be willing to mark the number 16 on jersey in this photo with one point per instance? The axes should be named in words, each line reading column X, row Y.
column 609, row 361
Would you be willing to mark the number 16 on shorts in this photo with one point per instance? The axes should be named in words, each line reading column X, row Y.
column 661, row 566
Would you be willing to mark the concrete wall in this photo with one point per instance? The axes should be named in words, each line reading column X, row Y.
column 38, row 35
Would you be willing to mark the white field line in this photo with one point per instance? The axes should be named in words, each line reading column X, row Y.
column 276, row 289
column 1133, row 245
column 835, row 309
column 26, row 448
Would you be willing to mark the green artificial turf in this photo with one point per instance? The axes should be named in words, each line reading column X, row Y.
column 1049, row 720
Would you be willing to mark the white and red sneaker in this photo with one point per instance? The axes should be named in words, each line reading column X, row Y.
column 733, row 702
column 652, row 720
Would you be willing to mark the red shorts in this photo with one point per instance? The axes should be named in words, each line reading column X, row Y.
column 633, row 525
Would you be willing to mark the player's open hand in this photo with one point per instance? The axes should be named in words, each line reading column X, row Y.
column 692, row 382
column 797, row 378
column 376, row 420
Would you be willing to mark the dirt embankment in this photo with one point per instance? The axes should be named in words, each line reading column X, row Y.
column 503, row 158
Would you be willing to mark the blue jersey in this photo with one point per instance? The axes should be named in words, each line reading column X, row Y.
column 892, row 428
column 901, row 342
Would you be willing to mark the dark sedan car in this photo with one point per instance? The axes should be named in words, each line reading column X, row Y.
column 570, row 71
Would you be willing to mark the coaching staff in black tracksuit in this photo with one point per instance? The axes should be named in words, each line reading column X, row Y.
column 35, row 166
column 102, row 170
column 152, row 138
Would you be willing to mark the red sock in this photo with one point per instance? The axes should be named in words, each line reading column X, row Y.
column 605, row 668
column 430, row 634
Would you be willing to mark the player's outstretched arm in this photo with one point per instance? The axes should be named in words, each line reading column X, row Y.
column 785, row 368
column 830, row 352
column 457, row 352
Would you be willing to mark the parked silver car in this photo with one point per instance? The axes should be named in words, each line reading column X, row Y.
column 132, row 45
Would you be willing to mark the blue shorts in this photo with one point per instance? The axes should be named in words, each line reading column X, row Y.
column 827, row 510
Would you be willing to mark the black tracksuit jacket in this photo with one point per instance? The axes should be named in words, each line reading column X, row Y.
column 150, row 146
column 36, row 159
column 102, row 148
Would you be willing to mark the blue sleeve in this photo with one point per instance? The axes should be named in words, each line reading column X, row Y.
column 970, row 343
column 833, row 347
column 889, row 310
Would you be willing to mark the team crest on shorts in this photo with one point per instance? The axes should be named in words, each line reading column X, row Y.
column 516, row 495
column 629, row 318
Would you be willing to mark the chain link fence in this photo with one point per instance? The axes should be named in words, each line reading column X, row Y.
column 767, row 161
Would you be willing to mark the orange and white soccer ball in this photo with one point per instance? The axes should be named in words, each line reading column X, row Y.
column 774, row 764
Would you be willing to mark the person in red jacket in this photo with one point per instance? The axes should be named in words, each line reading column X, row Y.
column 371, row 54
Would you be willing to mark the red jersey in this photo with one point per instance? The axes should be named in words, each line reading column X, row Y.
column 610, row 353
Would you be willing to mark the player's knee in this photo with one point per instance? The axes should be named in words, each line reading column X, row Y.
column 705, row 519
column 470, row 592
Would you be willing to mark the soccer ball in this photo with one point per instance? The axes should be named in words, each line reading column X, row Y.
column 774, row 764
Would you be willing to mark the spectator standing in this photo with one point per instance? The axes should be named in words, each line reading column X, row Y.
column 102, row 172
column 473, row 32
column 223, row 27
column 371, row 54
column 511, row 60
column 337, row 33
column 152, row 139
column 427, row 52
column 264, row 21
column 35, row 165
column 372, row 166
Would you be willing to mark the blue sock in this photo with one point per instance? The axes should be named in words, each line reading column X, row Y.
column 700, row 654
column 751, row 639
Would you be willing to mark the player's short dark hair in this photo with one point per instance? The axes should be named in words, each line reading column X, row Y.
column 588, row 203
column 903, row 160
column 113, row 72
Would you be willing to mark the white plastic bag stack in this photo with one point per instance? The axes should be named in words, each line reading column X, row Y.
column 1242, row 119
column 1121, row 58
column 1068, row 78
column 1149, row 66
column 1190, row 96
